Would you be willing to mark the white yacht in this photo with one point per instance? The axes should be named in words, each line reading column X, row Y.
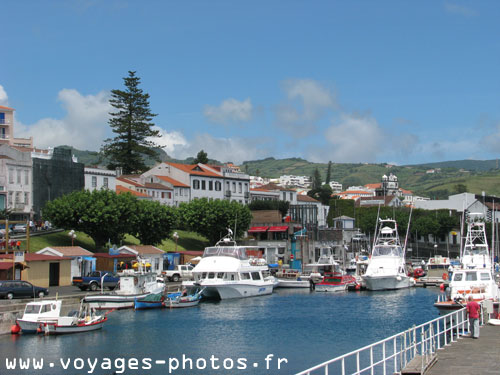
column 133, row 284
column 474, row 276
column 387, row 268
column 225, row 271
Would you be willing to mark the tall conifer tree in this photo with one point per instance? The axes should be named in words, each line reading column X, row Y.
column 133, row 128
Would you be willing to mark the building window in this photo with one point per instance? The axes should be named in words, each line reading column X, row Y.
column 291, row 196
column 196, row 184
column 162, row 195
column 105, row 182
column 27, row 198
column 228, row 185
column 246, row 187
column 203, row 185
column 210, row 185
column 240, row 187
column 284, row 196
column 234, row 187
column 11, row 175
column 169, row 195
column 26, row 177
column 19, row 176
column 94, row 181
column 218, row 186
column 10, row 198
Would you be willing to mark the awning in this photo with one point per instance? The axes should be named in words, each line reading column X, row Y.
column 5, row 265
column 257, row 229
column 278, row 229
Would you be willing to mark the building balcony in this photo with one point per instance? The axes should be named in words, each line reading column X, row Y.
column 227, row 193
column 4, row 121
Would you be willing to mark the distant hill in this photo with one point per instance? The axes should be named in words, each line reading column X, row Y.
column 449, row 177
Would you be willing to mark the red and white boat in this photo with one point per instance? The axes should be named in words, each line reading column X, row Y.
column 335, row 282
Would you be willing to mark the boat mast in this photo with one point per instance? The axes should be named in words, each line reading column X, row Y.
column 493, row 238
column 407, row 232
column 376, row 227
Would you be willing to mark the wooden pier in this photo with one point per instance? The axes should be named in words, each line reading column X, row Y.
column 469, row 356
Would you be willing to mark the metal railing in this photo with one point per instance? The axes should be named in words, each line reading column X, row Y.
column 394, row 353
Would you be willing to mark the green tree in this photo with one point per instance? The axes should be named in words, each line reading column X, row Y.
column 323, row 194
column 212, row 218
column 316, row 180
column 101, row 214
column 153, row 222
column 460, row 188
column 328, row 173
column 202, row 158
column 133, row 128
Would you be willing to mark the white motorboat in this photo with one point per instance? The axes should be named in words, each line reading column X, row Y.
column 325, row 264
column 387, row 268
column 132, row 285
column 474, row 276
column 37, row 312
column 225, row 271
column 290, row 278
column 44, row 317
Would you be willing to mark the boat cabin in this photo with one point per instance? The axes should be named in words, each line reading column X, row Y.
column 381, row 250
column 42, row 310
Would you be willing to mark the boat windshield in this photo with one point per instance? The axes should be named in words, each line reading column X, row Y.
column 476, row 250
column 234, row 252
column 387, row 251
column 32, row 309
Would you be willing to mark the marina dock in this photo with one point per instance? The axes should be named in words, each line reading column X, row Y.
column 468, row 356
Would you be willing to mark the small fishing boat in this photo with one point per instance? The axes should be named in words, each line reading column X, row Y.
column 287, row 278
column 335, row 282
column 44, row 317
column 150, row 301
column 183, row 300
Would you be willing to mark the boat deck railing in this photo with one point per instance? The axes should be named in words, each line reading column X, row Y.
column 417, row 345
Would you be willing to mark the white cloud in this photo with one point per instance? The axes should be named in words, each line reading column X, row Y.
column 235, row 150
column 4, row 99
column 354, row 139
column 170, row 142
column 491, row 142
column 307, row 102
column 84, row 126
column 230, row 111
column 460, row 10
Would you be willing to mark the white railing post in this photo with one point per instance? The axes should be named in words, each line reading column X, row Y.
column 395, row 343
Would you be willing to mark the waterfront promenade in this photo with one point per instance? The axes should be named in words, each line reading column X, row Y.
column 468, row 356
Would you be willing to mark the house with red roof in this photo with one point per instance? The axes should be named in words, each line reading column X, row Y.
column 205, row 181
column 145, row 254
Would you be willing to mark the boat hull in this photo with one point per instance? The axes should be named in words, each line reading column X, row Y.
column 386, row 282
column 55, row 329
column 231, row 291
column 144, row 305
column 28, row 326
column 284, row 283
column 331, row 287
column 180, row 304
column 112, row 301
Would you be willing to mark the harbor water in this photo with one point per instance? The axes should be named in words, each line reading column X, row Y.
column 282, row 333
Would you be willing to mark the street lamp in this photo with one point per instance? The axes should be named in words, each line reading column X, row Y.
column 176, row 237
column 72, row 234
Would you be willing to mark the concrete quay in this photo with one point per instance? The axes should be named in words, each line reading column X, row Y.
column 470, row 356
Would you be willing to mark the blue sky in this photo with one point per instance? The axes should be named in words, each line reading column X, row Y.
column 348, row 81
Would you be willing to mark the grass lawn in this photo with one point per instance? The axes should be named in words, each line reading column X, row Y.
column 186, row 241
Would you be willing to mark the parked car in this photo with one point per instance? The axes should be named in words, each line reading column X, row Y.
column 184, row 272
column 17, row 288
column 93, row 281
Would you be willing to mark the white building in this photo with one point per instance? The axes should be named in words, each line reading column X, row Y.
column 16, row 181
column 147, row 254
column 99, row 178
column 335, row 186
column 291, row 180
column 82, row 261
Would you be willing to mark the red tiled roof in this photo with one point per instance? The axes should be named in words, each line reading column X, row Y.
column 306, row 198
column 122, row 189
column 8, row 108
column 172, row 181
column 153, row 185
column 5, row 265
column 106, row 255
column 373, row 186
column 129, row 181
column 194, row 169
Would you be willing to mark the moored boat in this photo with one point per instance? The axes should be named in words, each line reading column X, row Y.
column 335, row 282
column 387, row 269
column 225, row 272
column 132, row 285
column 287, row 278
column 474, row 276
column 184, row 300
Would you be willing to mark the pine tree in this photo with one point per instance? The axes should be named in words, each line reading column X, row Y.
column 328, row 173
column 316, row 182
column 133, row 126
